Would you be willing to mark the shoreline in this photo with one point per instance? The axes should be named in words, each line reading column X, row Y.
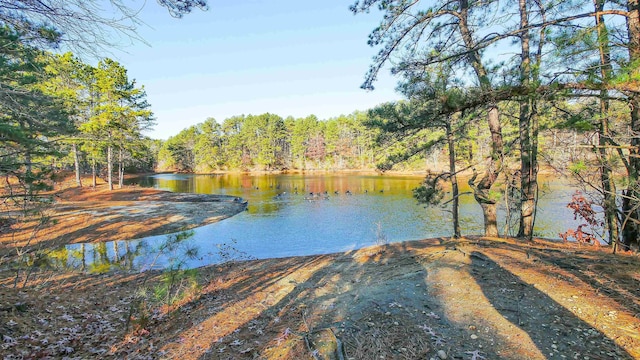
column 545, row 171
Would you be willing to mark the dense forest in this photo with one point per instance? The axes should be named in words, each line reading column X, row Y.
column 497, row 90
column 268, row 142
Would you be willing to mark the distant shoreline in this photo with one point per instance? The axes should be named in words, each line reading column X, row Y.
column 545, row 171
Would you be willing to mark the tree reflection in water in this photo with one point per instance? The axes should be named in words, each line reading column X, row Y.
column 97, row 257
column 174, row 251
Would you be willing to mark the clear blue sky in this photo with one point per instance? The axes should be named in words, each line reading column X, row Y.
column 286, row 57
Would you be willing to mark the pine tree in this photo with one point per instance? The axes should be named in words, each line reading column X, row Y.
column 119, row 116
column 30, row 119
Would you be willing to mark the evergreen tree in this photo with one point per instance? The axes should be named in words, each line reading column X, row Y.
column 31, row 120
column 208, row 147
column 65, row 80
column 120, row 114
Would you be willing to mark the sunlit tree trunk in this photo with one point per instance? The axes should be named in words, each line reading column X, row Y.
column 482, row 189
column 120, row 168
column 94, row 173
column 454, row 183
column 76, row 163
column 110, row 166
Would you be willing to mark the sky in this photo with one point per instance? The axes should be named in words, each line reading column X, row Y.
column 285, row 57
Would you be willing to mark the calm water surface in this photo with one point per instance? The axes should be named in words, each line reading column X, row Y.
column 284, row 219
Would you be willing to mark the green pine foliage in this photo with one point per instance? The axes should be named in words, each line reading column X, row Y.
column 30, row 119
column 268, row 142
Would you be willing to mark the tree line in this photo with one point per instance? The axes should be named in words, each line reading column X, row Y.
column 268, row 142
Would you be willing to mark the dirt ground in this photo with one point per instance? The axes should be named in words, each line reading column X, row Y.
column 474, row 298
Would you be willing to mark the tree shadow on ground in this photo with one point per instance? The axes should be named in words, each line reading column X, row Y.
column 554, row 329
column 408, row 300
column 237, row 299
column 366, row 304
column 368, row 301
column 612, row 276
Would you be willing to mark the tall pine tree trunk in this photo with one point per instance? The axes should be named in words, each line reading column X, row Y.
column 528, row 160
column 630, row 203
column 631, row 229
column 94, row 173
column 482, row 189
column 454, row 183
column 607, row 181
column 120, row 168
column 110, row 166
column 529, row 176
column 76, row 163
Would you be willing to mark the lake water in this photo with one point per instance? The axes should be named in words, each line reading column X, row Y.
column 284, row 219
